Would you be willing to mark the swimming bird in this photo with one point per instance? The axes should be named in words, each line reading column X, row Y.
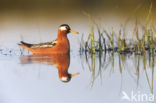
column 60, row 45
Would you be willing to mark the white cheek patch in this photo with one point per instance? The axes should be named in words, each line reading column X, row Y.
column 63, row 28
column 64, row 78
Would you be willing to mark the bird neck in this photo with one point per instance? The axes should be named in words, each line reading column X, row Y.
column 63, row 63
column 63, row 72
column 62, row 34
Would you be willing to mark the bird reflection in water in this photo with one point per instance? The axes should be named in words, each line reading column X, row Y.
column 61, row 61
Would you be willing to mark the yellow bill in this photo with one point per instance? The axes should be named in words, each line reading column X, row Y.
column 72, row 31
column 72, row 75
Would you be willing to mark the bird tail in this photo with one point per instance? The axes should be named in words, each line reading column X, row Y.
column 26, row 46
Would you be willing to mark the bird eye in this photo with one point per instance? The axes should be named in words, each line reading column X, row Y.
column 67, row 28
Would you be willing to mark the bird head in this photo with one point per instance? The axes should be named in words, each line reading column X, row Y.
column 67, row 78
column 65, row 28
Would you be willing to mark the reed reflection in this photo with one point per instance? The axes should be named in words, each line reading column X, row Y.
column 137, row 66
column 60, row 61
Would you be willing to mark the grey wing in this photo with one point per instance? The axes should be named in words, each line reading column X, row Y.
column 45, row 45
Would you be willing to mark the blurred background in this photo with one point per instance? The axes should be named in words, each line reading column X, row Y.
column 65, row 7
column 54, row 5
column 41, row 18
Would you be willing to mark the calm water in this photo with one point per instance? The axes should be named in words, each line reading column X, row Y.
column 35, row 79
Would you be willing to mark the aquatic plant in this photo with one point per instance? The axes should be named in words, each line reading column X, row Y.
column 144, row 37
column 103, row 47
